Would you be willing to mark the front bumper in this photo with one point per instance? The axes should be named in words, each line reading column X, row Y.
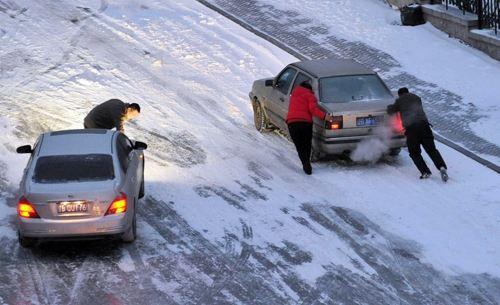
column 341, row 145
column 74, row 228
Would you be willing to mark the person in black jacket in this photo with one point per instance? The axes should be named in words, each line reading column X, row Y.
column 111, row 114
column 418, row 132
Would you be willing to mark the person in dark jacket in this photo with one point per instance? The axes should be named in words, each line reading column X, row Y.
column 303, row 106
column 111, row 114
column 418, row 132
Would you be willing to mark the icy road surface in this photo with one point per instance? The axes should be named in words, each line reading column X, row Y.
column 229, row 217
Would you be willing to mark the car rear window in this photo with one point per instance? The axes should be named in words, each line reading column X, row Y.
column 353, row 88
column 74, row 168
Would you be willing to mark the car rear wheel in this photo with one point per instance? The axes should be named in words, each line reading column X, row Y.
column 315, row 155
column 259, row 117
column 141, row 189
column 26, row 242
column 131, row 233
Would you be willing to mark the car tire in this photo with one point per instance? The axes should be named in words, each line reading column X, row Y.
column 394, row 152
column 259, row 117
column 315, row 155
column 130, row 235
column 141, row 189
column 26, row 242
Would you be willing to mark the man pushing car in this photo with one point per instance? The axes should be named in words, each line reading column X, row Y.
column 418, row 133
column 111, row 114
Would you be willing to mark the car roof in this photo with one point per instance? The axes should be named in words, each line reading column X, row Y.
column 76, row 142
column 332, row 67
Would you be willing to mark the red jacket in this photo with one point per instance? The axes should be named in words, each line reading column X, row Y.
column 303, row 106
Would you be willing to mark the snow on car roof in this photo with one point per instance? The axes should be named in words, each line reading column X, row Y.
column 332, row 67
column 76, row 142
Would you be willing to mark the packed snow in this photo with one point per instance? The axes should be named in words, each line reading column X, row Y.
column 216, row 185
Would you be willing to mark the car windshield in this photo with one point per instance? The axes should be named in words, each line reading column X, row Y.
column 353, row 88
column 74, row 168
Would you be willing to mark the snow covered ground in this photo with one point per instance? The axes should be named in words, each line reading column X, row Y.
column 229, row 217
column 423, row 51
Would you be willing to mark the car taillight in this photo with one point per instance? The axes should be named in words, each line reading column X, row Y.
column 337, row 122
column 25, row 209
column 119, row 205
column 397, row 124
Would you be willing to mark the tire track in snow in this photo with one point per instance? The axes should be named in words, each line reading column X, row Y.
column 179, row 148
column 241, row 260
column 18, row 270
column 144, row 275
column 229, row 272
column 401, row 278
column 36, row 276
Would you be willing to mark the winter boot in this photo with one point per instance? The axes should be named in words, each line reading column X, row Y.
column 444, row 174
column 307, row 168
column 425, row 175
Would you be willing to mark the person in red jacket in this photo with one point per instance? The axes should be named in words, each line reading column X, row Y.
column 303, row 106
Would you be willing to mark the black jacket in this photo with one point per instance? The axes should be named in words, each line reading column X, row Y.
column 411, row 109
column 107, row 115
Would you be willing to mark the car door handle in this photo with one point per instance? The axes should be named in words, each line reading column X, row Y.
column 282, row 99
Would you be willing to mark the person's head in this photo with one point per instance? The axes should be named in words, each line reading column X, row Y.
column 403, row 91
column 133, row 111
column 306, row 84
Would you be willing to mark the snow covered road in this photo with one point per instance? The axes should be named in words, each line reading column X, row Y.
column 228, row 218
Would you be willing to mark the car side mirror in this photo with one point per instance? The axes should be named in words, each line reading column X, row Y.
column 25, row 149
column 140, row 145
column 269, row 83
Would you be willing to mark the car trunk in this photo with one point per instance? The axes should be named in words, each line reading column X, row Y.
column 358, row 118
column 72, row 199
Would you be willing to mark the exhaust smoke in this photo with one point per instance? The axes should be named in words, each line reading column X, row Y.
column 374, row 147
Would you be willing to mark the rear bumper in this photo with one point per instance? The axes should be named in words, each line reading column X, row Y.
column 74, row 228
column 339, row 145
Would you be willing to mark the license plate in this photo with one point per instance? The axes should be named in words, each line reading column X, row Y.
column 72, row 207
column 368, row 121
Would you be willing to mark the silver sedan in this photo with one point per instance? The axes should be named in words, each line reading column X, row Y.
column 80, row 184
column 354, row 94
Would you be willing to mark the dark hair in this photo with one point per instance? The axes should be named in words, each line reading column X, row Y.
column 402, row 91
column 306, row 84
column 135, row 106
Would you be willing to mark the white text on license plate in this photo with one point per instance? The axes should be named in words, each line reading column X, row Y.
column 67, row 207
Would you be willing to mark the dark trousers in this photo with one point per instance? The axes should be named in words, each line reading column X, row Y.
column 421, row 134
column 301, row 134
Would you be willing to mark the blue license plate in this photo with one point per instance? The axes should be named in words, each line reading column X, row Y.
column 368, row 121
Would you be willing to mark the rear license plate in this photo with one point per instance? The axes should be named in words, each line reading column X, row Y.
column 72, row 207
column 368, row 121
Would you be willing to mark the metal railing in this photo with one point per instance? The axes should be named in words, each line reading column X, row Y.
column 487, row 11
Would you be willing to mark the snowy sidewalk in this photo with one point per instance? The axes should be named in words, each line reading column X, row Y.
column 454, row 116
